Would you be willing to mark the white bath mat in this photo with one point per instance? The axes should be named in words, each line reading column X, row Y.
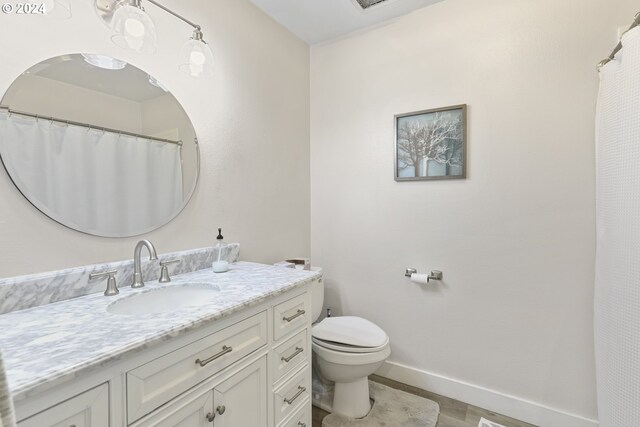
column 487, row 423
column 391, row 407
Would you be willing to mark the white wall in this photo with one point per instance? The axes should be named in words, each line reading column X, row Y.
column 252, row 120
column 515, row 240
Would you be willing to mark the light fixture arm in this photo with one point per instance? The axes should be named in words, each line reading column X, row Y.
column 182, row 18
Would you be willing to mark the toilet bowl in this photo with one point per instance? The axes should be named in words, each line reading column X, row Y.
column 346, row 350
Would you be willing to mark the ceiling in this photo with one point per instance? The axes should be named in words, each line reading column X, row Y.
column 316, row 21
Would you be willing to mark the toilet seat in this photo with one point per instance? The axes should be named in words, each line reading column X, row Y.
column 351, row 358
column 346, row 348
column 350, row 334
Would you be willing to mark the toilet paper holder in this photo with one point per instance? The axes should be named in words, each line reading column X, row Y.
column 434, row 275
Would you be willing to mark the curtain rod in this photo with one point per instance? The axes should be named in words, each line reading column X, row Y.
column 611, row 57
column 87, row 125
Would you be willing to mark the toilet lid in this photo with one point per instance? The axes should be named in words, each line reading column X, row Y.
column 345, row 348
column 351, row 331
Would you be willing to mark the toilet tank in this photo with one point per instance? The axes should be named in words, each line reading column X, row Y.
column 317, row 295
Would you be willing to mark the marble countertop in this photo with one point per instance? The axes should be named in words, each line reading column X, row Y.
column 50, row 344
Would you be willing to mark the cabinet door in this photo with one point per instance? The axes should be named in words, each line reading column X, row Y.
column 196, row 412
column 241, row 400
column 89, row 409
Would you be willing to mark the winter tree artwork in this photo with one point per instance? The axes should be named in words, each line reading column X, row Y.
column 431, row 144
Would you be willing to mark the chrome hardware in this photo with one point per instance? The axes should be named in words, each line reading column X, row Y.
column 112, row 287
column 210, row 417
column 434, row 275
column 137, row 269
column 88, row 126
column 295, row 353
column 409, row 271
column 220, row 409
column 295, row 316
column 224, row 351
column 297, row 395
column 164, row 271
column 328, row 312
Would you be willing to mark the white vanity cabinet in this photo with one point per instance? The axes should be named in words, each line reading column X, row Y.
column 239, row 400
column 88, row 409
column 194, row 412
column 248, row 369
column 242, row 399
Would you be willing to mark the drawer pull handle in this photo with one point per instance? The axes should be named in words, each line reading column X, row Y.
column 220, row 409
column 297, row 395
column 295, row 353
column 211, row 416
column 224, row 351
column 298, row 314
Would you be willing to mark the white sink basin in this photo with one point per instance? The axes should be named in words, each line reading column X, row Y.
column 167, row 299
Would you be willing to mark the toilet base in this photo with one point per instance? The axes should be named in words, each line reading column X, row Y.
column 352, row 399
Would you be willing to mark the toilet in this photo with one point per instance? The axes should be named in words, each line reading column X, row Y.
column 346, row 350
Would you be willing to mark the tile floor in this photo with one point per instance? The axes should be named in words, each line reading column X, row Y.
column 452, row 412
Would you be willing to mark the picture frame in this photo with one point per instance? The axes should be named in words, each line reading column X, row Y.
column 431, row 144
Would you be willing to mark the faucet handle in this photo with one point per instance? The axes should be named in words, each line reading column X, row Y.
column 112, row 287
column 164, row 272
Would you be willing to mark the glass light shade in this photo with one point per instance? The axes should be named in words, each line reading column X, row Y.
column 104, row 61
column 196, row 58
column 58, row 8
column 133, row 29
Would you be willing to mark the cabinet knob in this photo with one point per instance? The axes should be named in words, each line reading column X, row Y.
column 210, row 417
column 220, row 409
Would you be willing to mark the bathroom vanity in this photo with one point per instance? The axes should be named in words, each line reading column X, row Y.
column 224, row 350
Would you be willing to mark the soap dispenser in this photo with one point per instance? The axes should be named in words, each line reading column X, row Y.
column 221, row 264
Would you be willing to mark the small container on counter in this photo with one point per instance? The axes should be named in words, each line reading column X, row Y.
column 220, row 255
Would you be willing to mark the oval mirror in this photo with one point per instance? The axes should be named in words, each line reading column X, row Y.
column 98, row 145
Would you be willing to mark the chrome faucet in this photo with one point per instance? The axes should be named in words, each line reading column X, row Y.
column 137, row 269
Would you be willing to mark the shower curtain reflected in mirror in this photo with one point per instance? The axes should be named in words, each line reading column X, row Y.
column 94, row 180
column 617, row 292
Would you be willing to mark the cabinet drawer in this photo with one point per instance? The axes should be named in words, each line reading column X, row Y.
column 290, row 355
column 188, row 413
column 292, row 395
column 290, row 316
column 302, row 418
column 160, row 380
column 88, row 409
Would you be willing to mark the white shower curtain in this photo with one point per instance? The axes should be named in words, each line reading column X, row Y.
column 98, row 182
column 617, row 293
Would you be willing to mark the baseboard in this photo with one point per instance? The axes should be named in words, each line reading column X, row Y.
column 511, row 406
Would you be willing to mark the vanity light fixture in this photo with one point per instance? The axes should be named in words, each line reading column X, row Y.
column 104, row 61
column 196, row 58
column 134, row 30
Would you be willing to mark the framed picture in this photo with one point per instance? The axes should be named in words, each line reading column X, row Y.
column 431, row 144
